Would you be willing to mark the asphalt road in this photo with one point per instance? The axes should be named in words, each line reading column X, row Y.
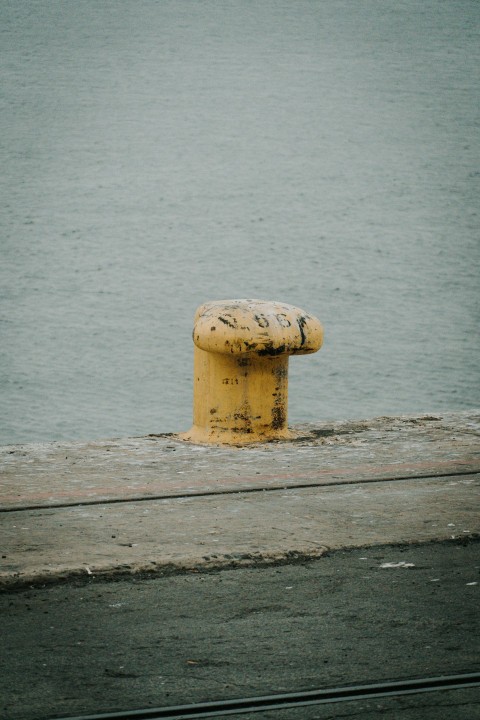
column 96, row 646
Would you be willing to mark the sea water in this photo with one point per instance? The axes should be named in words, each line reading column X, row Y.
column 156, row 155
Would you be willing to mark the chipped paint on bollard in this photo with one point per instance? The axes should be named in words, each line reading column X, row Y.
column 241, row 368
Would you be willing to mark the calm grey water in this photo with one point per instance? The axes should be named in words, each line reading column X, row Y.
column 155, row 155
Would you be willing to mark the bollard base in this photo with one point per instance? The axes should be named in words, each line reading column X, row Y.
column 206, row 436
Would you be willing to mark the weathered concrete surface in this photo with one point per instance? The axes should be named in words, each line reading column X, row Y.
column 57, row 473
column 157, row 504
column 206, row 532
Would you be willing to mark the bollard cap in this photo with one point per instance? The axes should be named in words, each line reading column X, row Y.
column 259, row 327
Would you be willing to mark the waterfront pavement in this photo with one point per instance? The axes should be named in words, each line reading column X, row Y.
column 148, row 571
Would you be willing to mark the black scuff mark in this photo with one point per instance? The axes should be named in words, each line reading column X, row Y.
column 243, row 420
column 279, row 416
column 228, row 320
column 272, row 351
column 301, row 322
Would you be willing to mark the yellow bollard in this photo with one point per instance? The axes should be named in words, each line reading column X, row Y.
column 241, row 368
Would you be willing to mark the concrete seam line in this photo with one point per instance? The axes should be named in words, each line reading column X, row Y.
column 235, row 491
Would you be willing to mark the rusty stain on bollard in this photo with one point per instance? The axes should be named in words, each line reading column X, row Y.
column 241, row 368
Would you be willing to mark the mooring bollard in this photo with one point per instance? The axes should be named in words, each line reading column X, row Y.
column 241, row 368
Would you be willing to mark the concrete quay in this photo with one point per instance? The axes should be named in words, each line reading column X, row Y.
column 159, row 505
column 149, row 572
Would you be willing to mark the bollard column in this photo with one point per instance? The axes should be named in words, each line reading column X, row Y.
column 241, row 354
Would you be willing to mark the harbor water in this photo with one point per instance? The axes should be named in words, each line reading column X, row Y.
column 156, row 155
